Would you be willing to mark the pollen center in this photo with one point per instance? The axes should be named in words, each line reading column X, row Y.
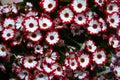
column 50, row 5
column 31, row 25
column 41, row 75
column 66, row 15
column 111, row 8
column 2, row 49
column 58, row 69
column 82, row 60
column 44, row 25
column 79, row 5
column 99, row 56
column 8, row 35
column 30, row 60
column 49, row 55
column 10, row 25
column 72, row 63
column 112, row 20
column 95, row 26
column 80, row 18
column 34, row 35
column 51, row 37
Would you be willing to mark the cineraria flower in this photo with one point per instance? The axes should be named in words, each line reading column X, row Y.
column 31, row 13
column 52, row 38
column 6, row 9
column 41, row 76
column 48, row 5
column 28, row 6
column 116, row 71
column 45, row 23
column 81, row 74
column 99, row 57
column 99, row 2
column 29, row 62
column 113, row 20
column 9, row 23
column 14, row 8
column 58, row 70
column 113, row 41
column 23, row 74
column 3, row 50
column 30, row 24
column 89, row 15
column 58, row 24
column 79, row 6
column 35, row 37
column 8, row 34
column 112, row 7
column 47, row 68
column 73, row 64
column 90, row 46
column 83, row 60
column 94, row 26
column 51, row 57
column 103, row 25
column 77, row 31
column 38, row 49
column 80, row 19
column 66, row 15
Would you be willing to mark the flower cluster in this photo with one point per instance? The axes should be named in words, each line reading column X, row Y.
column 60, row 40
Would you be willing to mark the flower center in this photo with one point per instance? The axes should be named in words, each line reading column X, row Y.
column 58, row 69
column 95, row 26
column 50, row 5
column 49, row 55
column 99, row 56
column 8, row 34
column 44, row 25
column 2, row 49
column 34, row 35
column 66, row 15
column 51, row 37
column 72, row 63
column 89, row 47
column 112, row 42
column 112, row 20
column 41, row 75
column 111, row 8
column 116, row 72
column 31, row 25
column 30, row 60
column 10, row 25
column 100, row 1
column 80, row 18
column 82, row 60
column 79, row 5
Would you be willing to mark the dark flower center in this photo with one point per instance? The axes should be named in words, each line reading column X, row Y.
column 41, row 75
column 112, row 42
column 79, row 5
column 66, row 15
column 111, row 8
column 112, row 20
column 95, row 26
column 30, row 60
column 44, row 25
column 8, row 35
column 51, row 37
column 10, row 25
column 82, row 60
column 31, row 25
column 2, row 49
column 50, row 5
column 89, row 47
column 49, row 55
column 58, row 69
column 34, row 35
column 99, row 56
column 80, row 18
column 72, row 63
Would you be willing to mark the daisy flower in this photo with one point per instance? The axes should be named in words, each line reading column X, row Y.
column 83, row 60
column 38, row 49
column 99, row 57
column 45, row 23
column 8, row 34
column 77, row 31
column 112, row 7
column 99, row 2
column 49, row 5
column 35, row 37
column 94, row 26
column 24, row 74
column 66, row 15
column 116, row 71
column 73, row 64
column 41, row 76
column 80, row 19
column 51, row 57
column 3, row 50
column 29, row 62
column 28, row 6
column 90, row 46
column 47, row 68
column 81, row 74
column 52, row 38
column 113, row 41
column 30, row 24
column 58, row 70
column 9, row 23
column 103, row 25
column 79, row 6
column 113, row 20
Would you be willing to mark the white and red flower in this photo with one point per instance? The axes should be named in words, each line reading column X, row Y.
column 99, row 2
column 45, row 23
column 30, row 24
column 9, row 23
column 8, row 34
column 3, row 51
column 99, row 57
column 77, row 31
column 29, row 62
column 38, row 49
column 73, row 64
column 116, row 71
column 52, row 37
column 79, row 6
column 35, row 37
column 66, row 15
column 83, row 60
column 48, row 5
column 103, row 25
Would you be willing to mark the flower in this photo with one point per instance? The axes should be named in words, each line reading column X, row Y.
column 66, row 15
column 77, row 31
column 30, row 24
column 8, row 34
column 116, row 71
column 3, row 51
column 52, row 37
column 113, row 20
column 28, row 6
column 99, row 57
column 48, row 5
column 99, row 2
column 29, row 62
column 94, row 27
column 103, row 25
column 45, row 23
column 81, row 74
column 79, row 6
column 83, row 60
column 38, row 49
column 35, row 37
column 73, row 64
column 9, row 23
